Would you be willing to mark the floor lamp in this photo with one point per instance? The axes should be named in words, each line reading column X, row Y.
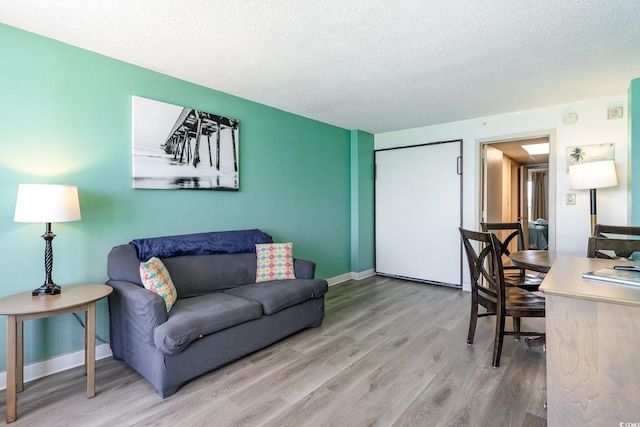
column 591, row 176
column 47, row 203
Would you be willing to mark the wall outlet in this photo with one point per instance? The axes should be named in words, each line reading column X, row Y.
column 571, row 198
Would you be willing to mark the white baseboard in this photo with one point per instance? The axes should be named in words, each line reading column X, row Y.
column 61, row 363
column 351, row 276
column 363, row 274
column 339, row 279
column 56, row 364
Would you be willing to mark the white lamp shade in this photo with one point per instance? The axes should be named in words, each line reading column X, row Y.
column 47, row 203
column 600, row 174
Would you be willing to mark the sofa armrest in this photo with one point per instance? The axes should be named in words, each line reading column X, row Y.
column 304, row 269
column 133, row 306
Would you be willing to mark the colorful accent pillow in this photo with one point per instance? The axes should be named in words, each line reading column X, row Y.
column 156, row 278
column 275, row 262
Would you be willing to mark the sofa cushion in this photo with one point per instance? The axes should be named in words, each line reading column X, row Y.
column 280, row 294
column 274, row 262
column 201, row 274
column 193, row 318
column 156, row 278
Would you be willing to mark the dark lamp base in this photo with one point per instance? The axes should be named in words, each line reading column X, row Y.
column 46, row 290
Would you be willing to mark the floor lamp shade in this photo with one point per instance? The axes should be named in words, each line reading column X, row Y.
column 47, row 203
column 585, row 176
column 590, row 176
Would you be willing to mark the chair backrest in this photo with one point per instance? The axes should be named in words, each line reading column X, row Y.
column 615, row 231
column 507, row 233
column 617, row 248
column 618, row 241
column 485, row 266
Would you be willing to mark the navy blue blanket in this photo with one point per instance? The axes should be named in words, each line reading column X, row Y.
column 222, row 242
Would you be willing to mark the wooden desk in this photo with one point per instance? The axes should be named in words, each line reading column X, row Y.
column 24, row 306
column 593, row 346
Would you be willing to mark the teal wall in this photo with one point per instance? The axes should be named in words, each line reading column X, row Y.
column 65, row 118
column 634, row 152
column 362, row 205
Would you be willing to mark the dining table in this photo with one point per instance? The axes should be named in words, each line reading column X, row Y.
column 539, row 261
column 535, row 260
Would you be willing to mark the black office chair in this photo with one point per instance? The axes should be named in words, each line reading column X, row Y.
column 488, row 290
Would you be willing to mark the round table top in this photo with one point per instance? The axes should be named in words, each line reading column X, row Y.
column 535, row 260
column 70, row 296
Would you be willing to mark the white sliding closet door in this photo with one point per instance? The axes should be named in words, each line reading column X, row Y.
column 418, row 205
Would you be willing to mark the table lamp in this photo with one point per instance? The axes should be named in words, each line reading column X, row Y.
column 590, row 176
column 47, row 203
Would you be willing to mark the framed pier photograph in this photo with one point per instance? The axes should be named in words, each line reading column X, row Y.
column 177, row 147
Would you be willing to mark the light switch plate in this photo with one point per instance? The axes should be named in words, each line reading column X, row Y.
column 571, row 198
column 614, row 113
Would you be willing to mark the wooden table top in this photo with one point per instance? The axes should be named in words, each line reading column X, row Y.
column 70, row 296
column 535, row 260
column 565, row 279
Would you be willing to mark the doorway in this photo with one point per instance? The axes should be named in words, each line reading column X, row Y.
column 515, row 186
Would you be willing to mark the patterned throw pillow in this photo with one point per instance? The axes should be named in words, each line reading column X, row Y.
column 156, row 278
column 275, row 262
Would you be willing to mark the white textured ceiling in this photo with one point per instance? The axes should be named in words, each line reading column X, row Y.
column 371, row 65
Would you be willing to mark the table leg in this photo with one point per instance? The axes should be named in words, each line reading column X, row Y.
column 12, row 341
column 20, row 355
column 86, row 342
column 90, row 351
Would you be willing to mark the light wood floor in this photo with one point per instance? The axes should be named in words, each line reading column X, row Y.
column 389, row 353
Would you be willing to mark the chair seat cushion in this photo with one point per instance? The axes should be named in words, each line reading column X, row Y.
column 528, row 282
column 193, row 318
column 519, row 299
column 277, row 295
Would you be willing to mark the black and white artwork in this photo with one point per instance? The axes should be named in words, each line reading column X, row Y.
column 181, row 148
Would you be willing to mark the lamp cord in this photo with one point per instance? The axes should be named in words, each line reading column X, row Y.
column 82, row 324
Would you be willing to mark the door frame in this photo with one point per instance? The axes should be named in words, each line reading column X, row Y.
column 553, row 159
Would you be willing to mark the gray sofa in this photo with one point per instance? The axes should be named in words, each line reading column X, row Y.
column 220, row 315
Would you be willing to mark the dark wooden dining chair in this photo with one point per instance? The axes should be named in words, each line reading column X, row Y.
column 489, row 291
column 613, row 241
column 616, row 231
column 603, row 247
column 509, row 233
